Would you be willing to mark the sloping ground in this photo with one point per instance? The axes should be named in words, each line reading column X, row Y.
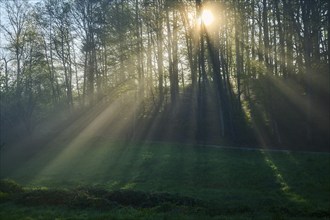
column 228, row 182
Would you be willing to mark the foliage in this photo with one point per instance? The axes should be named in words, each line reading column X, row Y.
column 97, row 199
column 8, row 189
column 75, row 75
column 9, row 186
column 73, row 54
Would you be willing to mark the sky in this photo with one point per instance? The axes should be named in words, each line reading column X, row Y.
column 3, row 21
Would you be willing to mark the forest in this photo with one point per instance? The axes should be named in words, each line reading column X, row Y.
column 256, row 72
column 149, row 76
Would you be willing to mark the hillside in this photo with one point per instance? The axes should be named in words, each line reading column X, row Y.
column 231, row 182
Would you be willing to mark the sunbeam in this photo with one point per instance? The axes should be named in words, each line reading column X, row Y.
column 164, row 109
column 285, row 188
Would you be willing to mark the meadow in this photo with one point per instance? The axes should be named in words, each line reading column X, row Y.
column 103, row 179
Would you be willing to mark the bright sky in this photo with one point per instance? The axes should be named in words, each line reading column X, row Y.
column 3, row 20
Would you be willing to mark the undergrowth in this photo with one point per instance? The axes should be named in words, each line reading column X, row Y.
column 136, row 205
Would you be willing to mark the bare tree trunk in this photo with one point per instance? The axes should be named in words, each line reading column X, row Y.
column 139, row 49
column 173, row 55
column 238, row 51
column 306, row 18
column 160, row 55
column 282, row 57
column 175, row 77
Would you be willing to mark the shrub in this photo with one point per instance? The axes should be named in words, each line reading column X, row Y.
column 4, row 196
column 45, row 197
column 148, row 200
column 10, row 186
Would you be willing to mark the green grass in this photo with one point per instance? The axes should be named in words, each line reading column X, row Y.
column 230, row 183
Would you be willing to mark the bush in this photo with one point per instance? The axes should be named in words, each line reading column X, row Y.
column 76, row 198
column 10, row 186
column 149, row 200
column 45, row 197
column 93, row 197
column 4, row 197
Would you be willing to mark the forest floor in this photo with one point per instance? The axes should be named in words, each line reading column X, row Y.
column 103, row 179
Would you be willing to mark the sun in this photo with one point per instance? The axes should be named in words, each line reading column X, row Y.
column 207, row 17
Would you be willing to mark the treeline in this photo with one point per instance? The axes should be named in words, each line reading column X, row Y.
column 261, row 63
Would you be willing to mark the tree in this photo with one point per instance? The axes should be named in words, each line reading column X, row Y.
column 258, row 60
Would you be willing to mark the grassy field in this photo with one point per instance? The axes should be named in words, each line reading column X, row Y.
column 120, row 180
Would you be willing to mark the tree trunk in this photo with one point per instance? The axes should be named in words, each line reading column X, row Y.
column 160, row 57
